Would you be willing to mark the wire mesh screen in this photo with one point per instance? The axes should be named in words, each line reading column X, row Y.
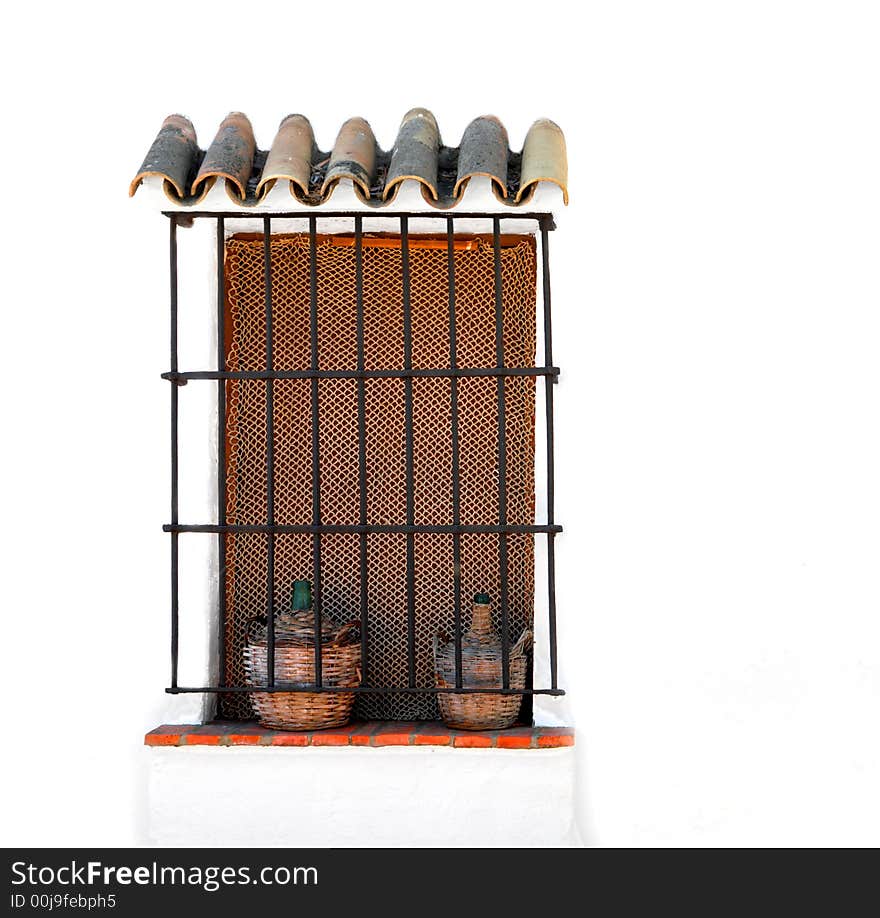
column 385, row 446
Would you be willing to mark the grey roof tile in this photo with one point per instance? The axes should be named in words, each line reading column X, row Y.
column 172, row 156
column 483, row 150
column 415, row 153
column 419, row 154
column 230, row 157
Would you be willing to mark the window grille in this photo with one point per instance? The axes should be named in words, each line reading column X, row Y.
column 376, row 400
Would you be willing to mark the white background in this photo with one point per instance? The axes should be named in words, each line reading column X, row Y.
column 717, row 309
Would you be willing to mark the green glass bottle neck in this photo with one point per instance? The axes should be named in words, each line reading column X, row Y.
column 302, row 596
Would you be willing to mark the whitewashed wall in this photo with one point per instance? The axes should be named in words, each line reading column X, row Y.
column 715, row 293
column 359, row 798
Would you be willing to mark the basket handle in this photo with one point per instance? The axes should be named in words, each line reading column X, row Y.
column 256, row 620
column 343, row 631
column 439, row 635
column 524, row 642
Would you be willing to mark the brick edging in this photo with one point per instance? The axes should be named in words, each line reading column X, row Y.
column 370, row 734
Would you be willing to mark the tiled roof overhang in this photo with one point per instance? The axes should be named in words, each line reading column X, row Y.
column 443, row 173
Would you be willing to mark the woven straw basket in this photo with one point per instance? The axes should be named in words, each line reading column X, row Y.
column 295, row 666
column 481, row 667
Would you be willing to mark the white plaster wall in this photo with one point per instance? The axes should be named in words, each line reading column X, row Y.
column 353, row 797
column 715, row 294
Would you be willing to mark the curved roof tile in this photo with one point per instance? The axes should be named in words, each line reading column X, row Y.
column 353, row 157
column 483, row 150
column 290, row 157
column 544, row 159
column 415, row 153
column 172, row 157
column 443, row 172
column 230, row 157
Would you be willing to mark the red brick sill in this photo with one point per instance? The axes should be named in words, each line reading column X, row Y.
column 372, row 733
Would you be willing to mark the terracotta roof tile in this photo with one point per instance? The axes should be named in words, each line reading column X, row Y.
column 419, row 155
column 230, row 157
column 290, row 157
column 353, row 157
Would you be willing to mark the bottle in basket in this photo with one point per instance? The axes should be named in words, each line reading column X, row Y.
column 295, row 650
column 481, row 667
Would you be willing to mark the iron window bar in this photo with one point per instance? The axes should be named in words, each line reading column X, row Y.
column 453, row 422
column 221, row 445
column 361, row 689
column 175, row 601
column 363, row 552
column 270, row 462
column 356, row 528
column 181, row 378
column 408, row 449
column 316, row 529
column 316, row 462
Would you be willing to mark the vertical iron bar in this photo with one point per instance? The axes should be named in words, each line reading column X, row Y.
column 408, row 421
column 270, row 460
column 316, row 464
column 175, row 631
column 548, row 392
column 502, row 455
column 362, row 438
column 456, row 484
column 221, row 450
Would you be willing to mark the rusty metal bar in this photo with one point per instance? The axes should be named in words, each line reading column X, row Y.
column 181, row 378
column 360, row 689
column 307, row 528
column 551, row 485
column 270, row 460
column 362, row 444
column 502, row 457
column 316, row 444
column 456, row 484
column 221, row 447
column 538, row 217
column 175, row 559
column 408, row 424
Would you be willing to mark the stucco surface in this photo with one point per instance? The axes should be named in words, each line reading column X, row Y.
column 391, row 797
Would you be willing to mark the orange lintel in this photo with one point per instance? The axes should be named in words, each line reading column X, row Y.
column 391, row 241
column 460, row 244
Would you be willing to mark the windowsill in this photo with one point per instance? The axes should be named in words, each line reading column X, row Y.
column 368, row 734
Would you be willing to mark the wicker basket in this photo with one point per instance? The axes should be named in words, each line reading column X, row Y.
column 295, row 666
column 481, row 667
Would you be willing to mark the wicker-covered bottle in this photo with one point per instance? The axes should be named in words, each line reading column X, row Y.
column 295, row 666
column 481, row 667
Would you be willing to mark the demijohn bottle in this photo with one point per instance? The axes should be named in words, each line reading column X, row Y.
column 482, row 664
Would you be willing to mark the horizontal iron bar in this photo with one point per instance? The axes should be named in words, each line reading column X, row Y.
column 361, row 689
column 545, row 219
column 312, row 529
column 183, row 377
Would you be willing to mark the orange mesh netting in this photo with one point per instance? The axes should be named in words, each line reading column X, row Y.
column 246, row 554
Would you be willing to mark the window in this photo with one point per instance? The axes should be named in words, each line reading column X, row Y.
column 376, row 395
